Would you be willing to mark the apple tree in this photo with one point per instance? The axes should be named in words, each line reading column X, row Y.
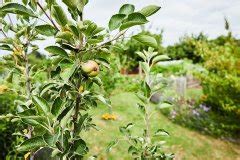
column 55, row 113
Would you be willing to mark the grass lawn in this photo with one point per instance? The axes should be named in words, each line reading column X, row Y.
column 186, row 144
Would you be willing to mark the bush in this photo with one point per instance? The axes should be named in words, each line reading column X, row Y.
column 178, row 68
column 8, row 141
column 194, row 114
column 221, row 80
column 186, row 48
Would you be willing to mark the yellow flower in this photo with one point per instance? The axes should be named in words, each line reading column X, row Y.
column 3, row 88
column 108, row 116
column 113, row 117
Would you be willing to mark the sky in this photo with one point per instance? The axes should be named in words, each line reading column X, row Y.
column 176, row 17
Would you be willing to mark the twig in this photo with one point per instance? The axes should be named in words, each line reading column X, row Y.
column 147, row 122
column 78, row 99
column 10, row 19
column 75, row 116
column 28, row 83
column 104, row 43
column 42, row 20
column 111, row 40
column 4, row 34
column 50, row 19
column 28, row 87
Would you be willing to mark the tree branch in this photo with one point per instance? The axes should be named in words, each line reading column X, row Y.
column 111, row 40
column 75, row 116
column 50, row 19
column 4, row 34
column 78, row 99
column 28, row 83
column 10, row 19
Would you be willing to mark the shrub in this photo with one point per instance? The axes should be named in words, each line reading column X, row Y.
column 221, row 80
column 203, row 118
column 186, row 48
column 8, row 141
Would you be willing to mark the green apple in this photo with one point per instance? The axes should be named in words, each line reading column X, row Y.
column 91, row 68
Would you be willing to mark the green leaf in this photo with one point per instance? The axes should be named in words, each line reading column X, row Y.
column 132, row 150
column 81, row 121
column 46, row 88
column 145, row 67
column 66, row 35
column 142, row 109
column 50, row 3
column 24, row 2
column 65, row 140
column 59, row 15
column 55, row 50
column 41, row 104
column 91, row 27
column 111, row 144
column 103, row 100
column 94, row 41
column 33, row 4
column 46, row 30
column 63, row 113
column 129, row 126
column 98, row 81
column 161, row 132
column 133, row 19
column 116, row 21
column 34, row 120
column 66, row 118
column 97, row 30
column 59, row 146
column 149, row 10
column 140, row 54
column 80, row 147
column 124, row 131
column 74, row 30
column 142, row 98
column 68, row 71
column 5, row 47
column 146, row 39
column 55, row 152
column 160, row 58
column 31, row 144
column 127, row 9
column 147, row 89
column 9, row 77
column 72, row 4
column 103, row 61
column 21, row 32
column 57, row 106
column 164, row 105
column 81, row 5
column 16, row 8
column 50, row 139
column 7, row 40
